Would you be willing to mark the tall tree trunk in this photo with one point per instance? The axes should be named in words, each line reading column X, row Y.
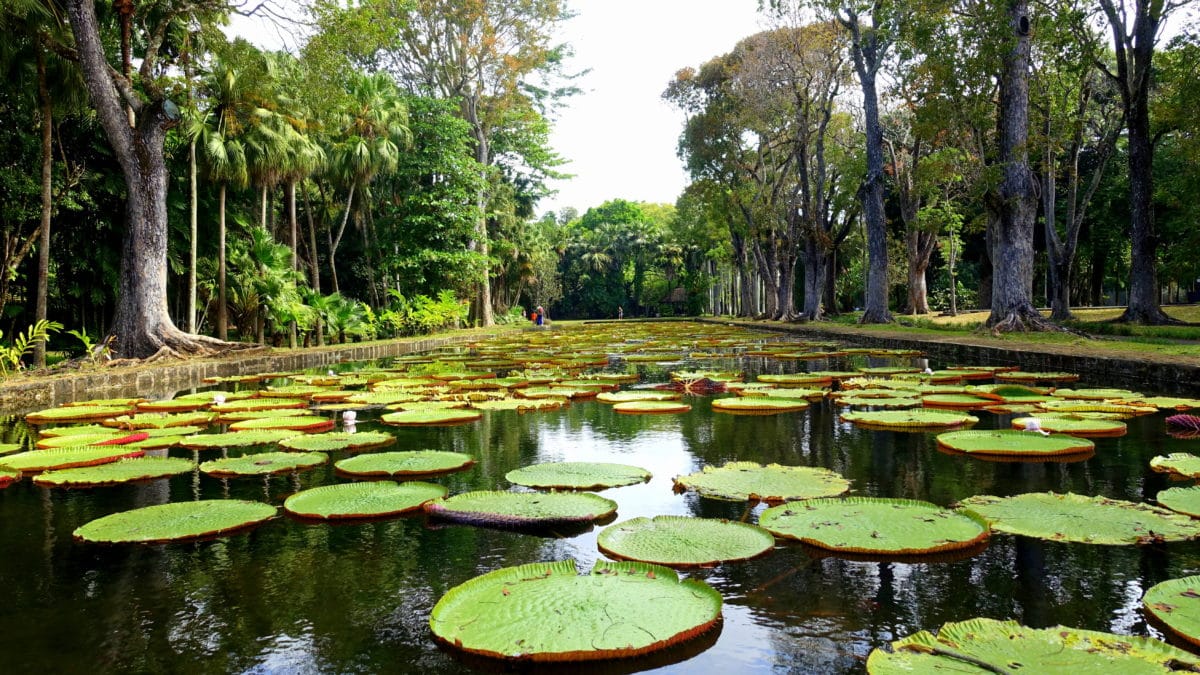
column 222, row 286
column 193, row 215
column 314, row 266
column 1015, row 201
column 919, row 245
column 43, row 282
column 816, row 262
column 289, row 191
column 481, row 306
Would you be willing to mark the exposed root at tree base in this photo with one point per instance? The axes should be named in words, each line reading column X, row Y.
column 1026, row 322
column 1148, row 317
column 173, row 345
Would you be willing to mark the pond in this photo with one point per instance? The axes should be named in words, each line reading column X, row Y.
column 296, row 597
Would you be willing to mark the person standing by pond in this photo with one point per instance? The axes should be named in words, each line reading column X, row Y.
column 620, row 312
column 539, row 317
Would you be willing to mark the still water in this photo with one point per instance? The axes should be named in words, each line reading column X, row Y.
column 292, row 597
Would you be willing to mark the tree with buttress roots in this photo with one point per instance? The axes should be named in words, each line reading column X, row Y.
column 136, row 121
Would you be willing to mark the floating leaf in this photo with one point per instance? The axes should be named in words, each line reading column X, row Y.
column 1176, row 603
column 362, row 500
column 1075, row 426
column 771, row 483
column 243, row 415
column 308, row 424
column 236, row 439
column 330, row 442
column 173, row 405
column 1013, row 443
column 124, row 471
column 259, row 404
column 8, row 476
column 577, row 475
column 797, row 378
column 522, row 509
column 66, row 458
column 162, row 420
column 1023, row 376
column 1184, row 500
column 651, row 407
column 638, row 395
column 1180, row 463
column 988, row 645
column 875, row 526
column 176, row 521
column 964, row 401
column 915, row 420
column 879, row 401
column 521, row 404
column 758, row 404
column 547, row 612
column 263, row 463
column 1088, row 520
column 431, row 417
column 1095, row 394
column 683, row 541
column 410, row 463
column 76, row 413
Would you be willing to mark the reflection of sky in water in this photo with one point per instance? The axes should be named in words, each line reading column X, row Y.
column 288, row 654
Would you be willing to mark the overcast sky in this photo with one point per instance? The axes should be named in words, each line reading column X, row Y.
column 619, row 135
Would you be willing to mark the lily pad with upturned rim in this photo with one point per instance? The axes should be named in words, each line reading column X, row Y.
column 124, row 471
column 1076, row 427
column 914, row 420
column 651, row 407
column 1076, row 518
column 154, row 420
column 548, row 612
column 1176, row 603
column 308, row 424
column 681, row 541
column 236, row 439
column 522, row 509
column 338, row 440
column 1010, row 442
column 405, row 463
column 758, row 404
column 68, row 458
column 8, row 476
column 263, row 463
column 577, row 475
column 1185, row 500
column 876, row 526
column 76, row 413
column 1179, row 463
column 639, row 395
column 178, row 521
column 431, row 417
column 362, row 500
column 740, row 481
column 988, row 645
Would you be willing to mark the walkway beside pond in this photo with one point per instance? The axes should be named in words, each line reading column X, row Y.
column 1166, row 373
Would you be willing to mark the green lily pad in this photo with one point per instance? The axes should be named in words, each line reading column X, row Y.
column 1095, row 394
column 1164, row 402
column 1024, row 376
column 177, row 521
column 637, row 395
column 988, row 645
column 431, row 417
column 1096, row 406
column 362, row 500
column 408, row 463
column 797, row 378
column 1088, row 520
column 772, row 483
column 758, row 404
column 113, row 437
column 8, row 476
column 162, row 420
column 330, row 442
column 683, row 541
column 263, row 463
column 915, row 420
column 1185, row 500
column 76, row 413
column 521, row 404
column 964, row 401
column 875, row 526
column 6, row 448
column 124, row 471
column 1176, row 603
column 67, row 458
column 308, row 424
column 383, row 397
column 1179, row 463
column 789, row 393
column 1079, row 427
column 1011, row 442
column 236, row 439
column 522, row 509
column 577, row 475
column 651, row 407
column 259, row 404
column 243, row 415
column 879, row 401
column 173, row 405
column 602, row 615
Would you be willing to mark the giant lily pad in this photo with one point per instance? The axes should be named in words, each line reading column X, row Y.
column 1179, row 463
column 991, row 646
column 8, row 476
column 113, row 437
column 431, row 417
column 914, row 420
column 1013, row 443
column 520, row 404
column 683, row 541
column 236, row 439
column 76, row 413
column 772, row 483
column 66, row 458
column 1088, row 520
column 577, row 475
column 963, row 401
column 259, row 404
column 243, row 415
column 410, row 463
column 124, row 471
column 547, row 612
column 176, row 521
column 1176, row 603
column 306, row 424
column 161, row 420
column 879, row 401
column 522, row 509
column 758, row 404
column 638, row 395
column 875, row 526
column 651, row 407
column 173, row 405
column 1184, row 500
column 362, row 500
column 361, row 440
column 1024, row 376
column 797, row 378
column 263, row 463
column 1074, row 426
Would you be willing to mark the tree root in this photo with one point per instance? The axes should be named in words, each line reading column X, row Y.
column 171, row 344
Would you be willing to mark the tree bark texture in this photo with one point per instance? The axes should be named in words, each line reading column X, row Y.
column 43, row 282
